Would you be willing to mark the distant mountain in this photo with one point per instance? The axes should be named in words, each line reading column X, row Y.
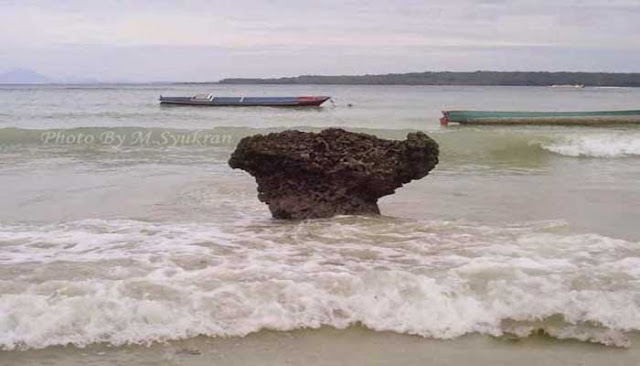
column 22, row 76
column 460, row 78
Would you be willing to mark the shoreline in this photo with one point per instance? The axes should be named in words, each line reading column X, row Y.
column 331, row 346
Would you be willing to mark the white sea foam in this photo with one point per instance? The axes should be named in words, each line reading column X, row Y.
column 609, row 145
column 135, row 282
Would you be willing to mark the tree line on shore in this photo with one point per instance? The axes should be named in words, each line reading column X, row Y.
column 518, row 78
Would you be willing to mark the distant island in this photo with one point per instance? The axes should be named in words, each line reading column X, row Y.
column 26, row 76
column 518, row 78
column 22, row 76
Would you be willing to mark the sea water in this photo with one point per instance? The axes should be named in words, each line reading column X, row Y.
column 125, row 236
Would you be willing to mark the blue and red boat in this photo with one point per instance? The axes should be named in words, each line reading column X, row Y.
column 210, row 100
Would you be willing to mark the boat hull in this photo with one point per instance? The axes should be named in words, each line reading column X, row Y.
column 246, row 101
column 542, row 118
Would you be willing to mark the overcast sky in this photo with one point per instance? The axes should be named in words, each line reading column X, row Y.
column 197, row 40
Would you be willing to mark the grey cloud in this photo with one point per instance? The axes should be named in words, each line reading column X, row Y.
column 289, row 37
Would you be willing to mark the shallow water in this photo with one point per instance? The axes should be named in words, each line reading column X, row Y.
column 328, row 346
column 121, row 224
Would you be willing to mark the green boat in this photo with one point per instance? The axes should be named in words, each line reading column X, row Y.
column 541, row 118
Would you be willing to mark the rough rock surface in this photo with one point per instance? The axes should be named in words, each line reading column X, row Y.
column 304, row 175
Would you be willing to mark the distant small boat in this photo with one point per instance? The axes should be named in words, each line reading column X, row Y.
column 540, row 118
column 579, row 86
column 210, row 100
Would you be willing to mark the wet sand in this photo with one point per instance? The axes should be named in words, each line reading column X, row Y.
column 329, row 346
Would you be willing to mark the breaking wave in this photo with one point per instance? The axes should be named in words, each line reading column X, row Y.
column 125, row 282
column 597, row 146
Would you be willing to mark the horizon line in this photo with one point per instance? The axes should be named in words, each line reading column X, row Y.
column 125, row 82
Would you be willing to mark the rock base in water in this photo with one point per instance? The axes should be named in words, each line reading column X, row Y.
column 303, row 175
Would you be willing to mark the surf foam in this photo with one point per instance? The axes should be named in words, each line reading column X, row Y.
column 123, row 281
column 598, row 146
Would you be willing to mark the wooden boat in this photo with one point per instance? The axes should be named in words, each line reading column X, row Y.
column 210, row 100
column 541, row 118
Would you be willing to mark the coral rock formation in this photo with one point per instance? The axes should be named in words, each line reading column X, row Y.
column 303, row 175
